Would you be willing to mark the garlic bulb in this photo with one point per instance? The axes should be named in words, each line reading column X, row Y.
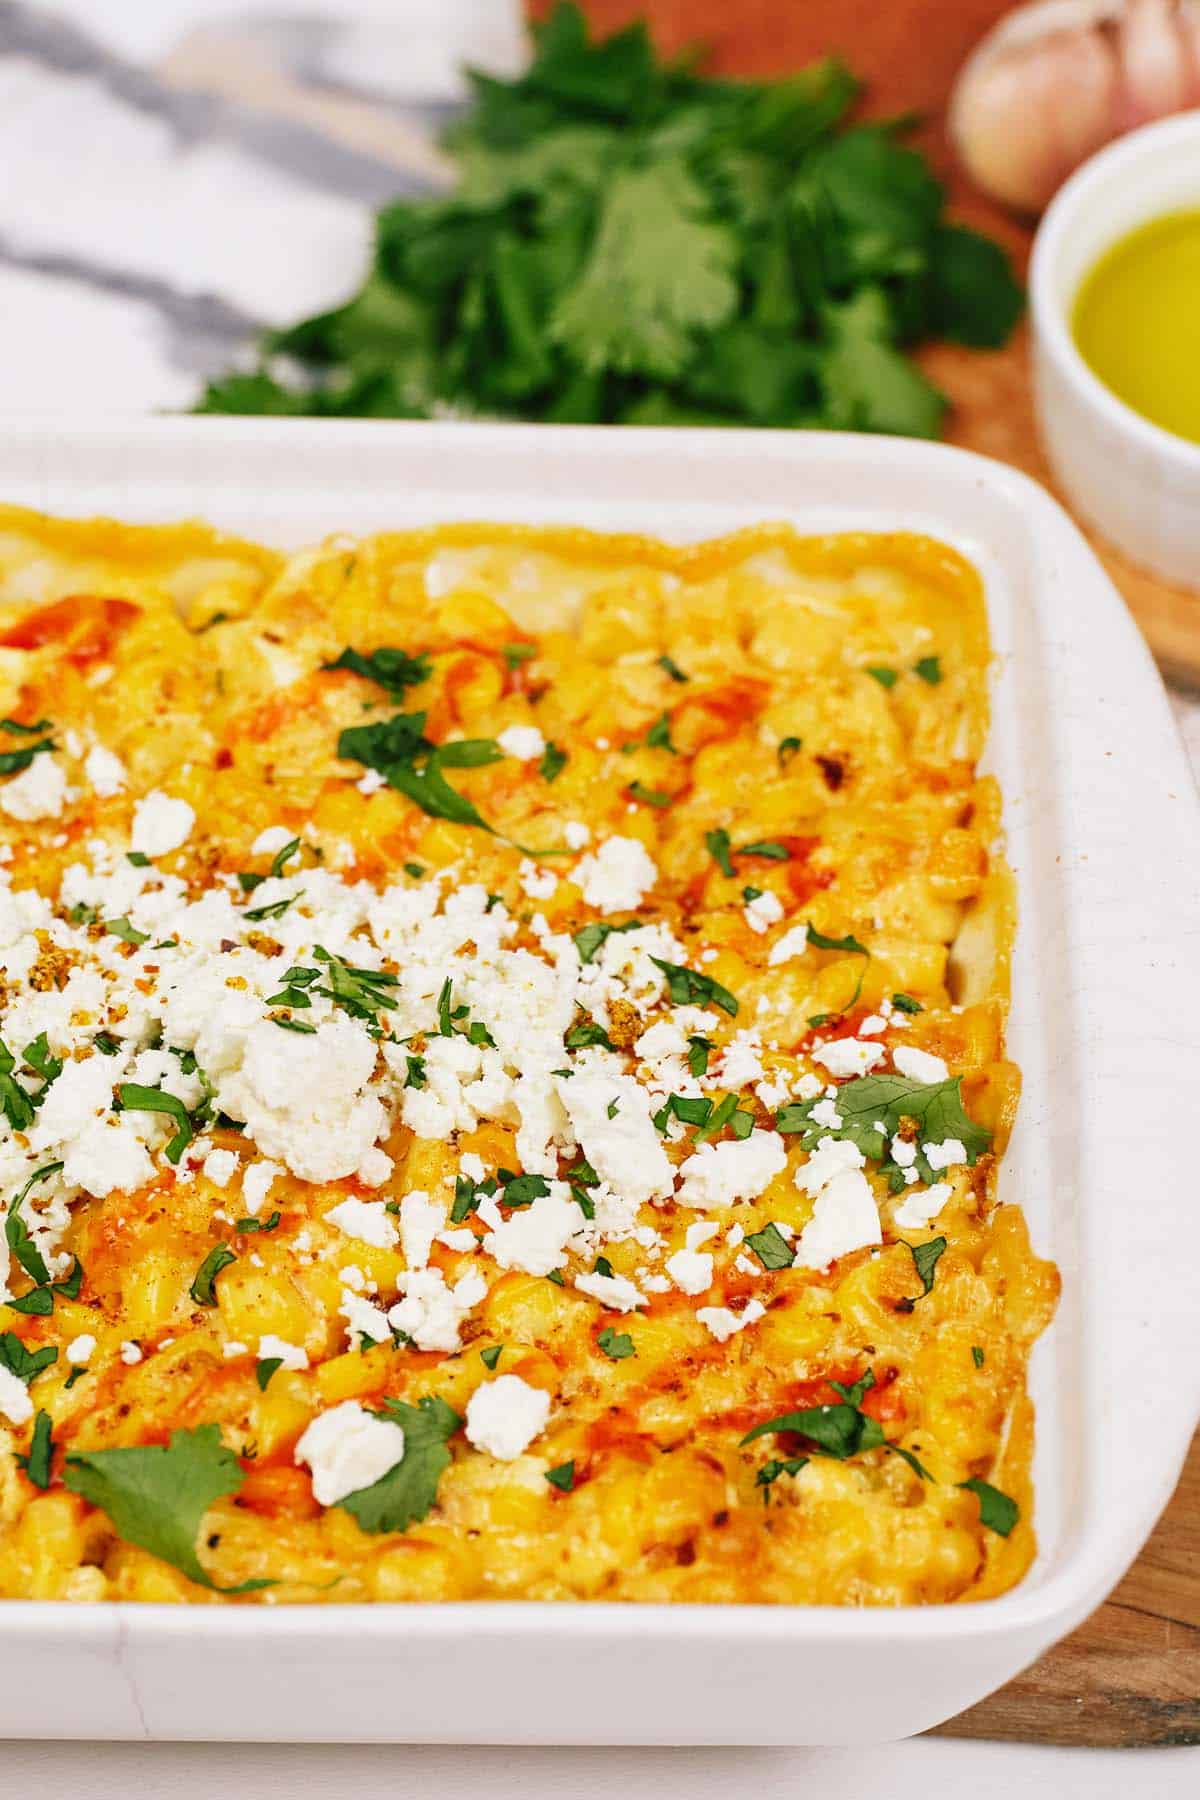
column 1052, row 82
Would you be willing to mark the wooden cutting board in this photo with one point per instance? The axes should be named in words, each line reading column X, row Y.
column 1131, row 1674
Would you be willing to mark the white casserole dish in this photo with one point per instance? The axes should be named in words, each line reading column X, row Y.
column 1104, row 832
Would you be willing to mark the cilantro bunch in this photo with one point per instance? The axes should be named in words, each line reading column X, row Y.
column 629, row 242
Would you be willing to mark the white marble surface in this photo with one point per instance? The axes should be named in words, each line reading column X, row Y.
column 178, row 173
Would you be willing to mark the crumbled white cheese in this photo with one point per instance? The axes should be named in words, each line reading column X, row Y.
column 271, row 840
column 219, row 1167
column 918, row 1065
column 538, row 883
column 845, row 1218
column 161, row 824
column 37, row 792
column 610, row 1115
column 872, row 1025
column 257, row 1181
column 832, row 1156
column 348, row 1448
column 763, row 911
column 365, row 1219
column 735, row 1169
column 723, row 1324
column 742, row 1062
column 363, row 1320
column 616, row 1292
column 921, row 1206
column 291, row 1356
column 105, row 773
column 793, row 943
column 131, row 1353
column 534, row 1237
column 525, row 742
column 232, row 1349
column 505, row 1415
column 371, row 782
column 701, row 1232
column 848, row 1056
column 576, row 834
column 617, row 876
column 421, row 1219
column 431, row 1313
column 945, row 1154
column 79, row 1350
column 691, row 1271
column 904, row 1153
column 15, row 1404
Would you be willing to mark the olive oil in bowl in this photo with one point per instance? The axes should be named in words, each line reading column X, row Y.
column 1136, row 322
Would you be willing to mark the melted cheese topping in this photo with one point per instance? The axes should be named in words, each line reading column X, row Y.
column 323, row 1090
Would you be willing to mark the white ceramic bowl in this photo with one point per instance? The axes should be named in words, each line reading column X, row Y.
column 1136, row 483
column 1103, row 830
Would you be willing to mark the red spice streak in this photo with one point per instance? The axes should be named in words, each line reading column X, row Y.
column 85, row 625
column 727, row 710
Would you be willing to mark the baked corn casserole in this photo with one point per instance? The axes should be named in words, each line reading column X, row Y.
column 502, row 1072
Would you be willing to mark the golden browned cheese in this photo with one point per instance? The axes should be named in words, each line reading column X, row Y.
column 199, row 661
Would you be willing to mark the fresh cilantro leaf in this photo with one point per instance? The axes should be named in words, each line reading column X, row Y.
column 275, row 910
column 562, row 1477
column 394, row 670
column 820, row 942
column 12, row 761
column 587, row 1032
column 135, row 1098
column 24, row 1364
column 977, row 1356
column 252, row 1224
column 915, row 1464
column 688, row 988
column 649, row 796
column 516, row 654
column 264, row 1368
column 886, row 678
column 491, row 1356
column 771, row 1247
column 553, row 762
column 415, row 869
column 15, row 1102
column 591, row 938
column 129, row 934
column 41, row 1448
column 997, row 1511
column 768, row 848
column 672, row 667
column 906, row 1004
column 873, row 1107
column 409, row 1490
column 839, row 1430
column 973, row 296
column 412, row 764
column 157, row 1495
column 717, row 844
column 929, row 668
column 16, row 729
column 662, row 269
column 522, row 1190
column 925, row 1257
column 774, row 1467
column 137, row 858
column 615, row 1344
column 788, row 748
column 218, row 1258
column 699, row 1051
column 659, row 735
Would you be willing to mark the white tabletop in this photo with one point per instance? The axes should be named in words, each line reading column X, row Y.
column 146, row 229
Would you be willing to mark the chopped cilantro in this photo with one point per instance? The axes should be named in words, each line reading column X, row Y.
column 121, row 928
column 134, row 1098
column 415, row 869
column 872, row 1109
column 925, row 1257
column 616, row 1345
column 977, row 1356
column 24, row 1364
column 516, row 654
column 768, row 847
column 649, row 796
column 250, row 1224
column 275, row 910
column 717, row 844
column 997, row 1511
column 491, row 1356
column 12, row 761
column 264, row 1368
column 138, row 858
column 820, row 942
column 839, row 1430
column 906, row 1004
column 688, row 988
column 413, row 765
column 553, row 762
column 394, row 670
column 408, row 1491
column 788, row 747
column 699, row 1050
column 562, row 1477
column 591, row 938
column 672, row 667
column 41, row 1447
column 929, row 669
column 587, row 1032
column 659, row 735
column 771, row 1247
column 218, row 1258
column 886, row 678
